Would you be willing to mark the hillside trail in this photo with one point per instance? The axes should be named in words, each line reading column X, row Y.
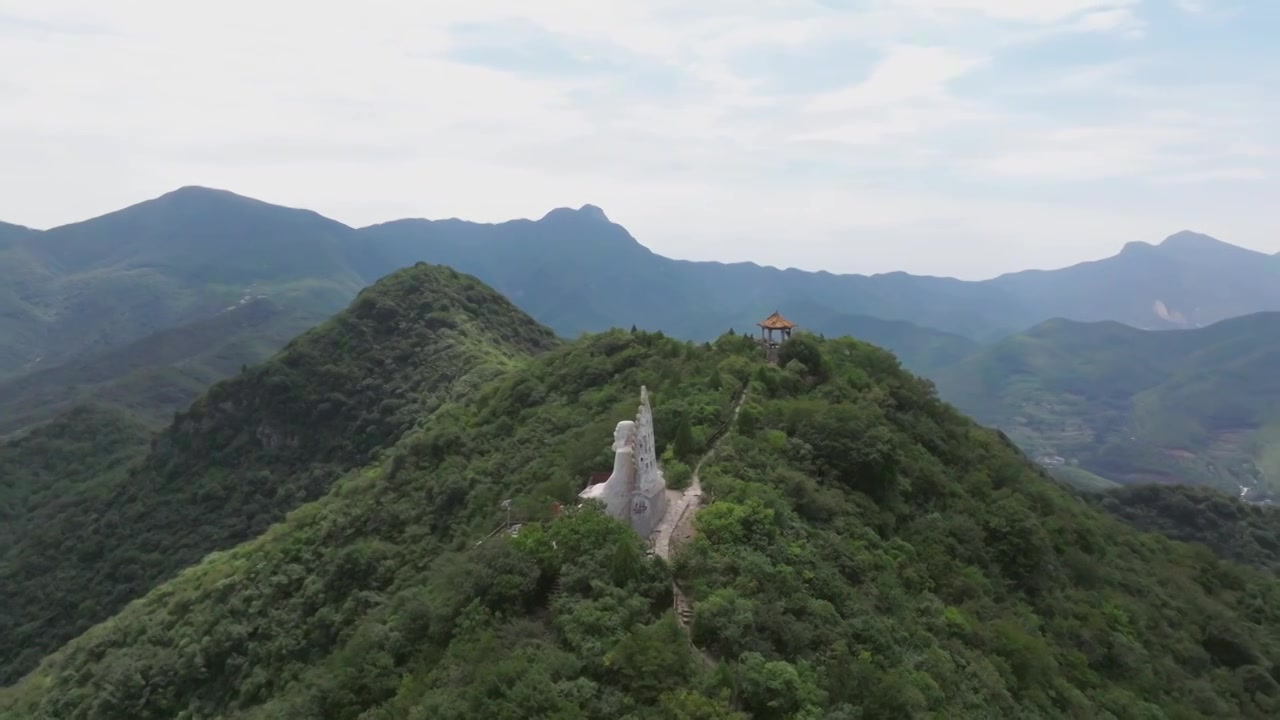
column 676, row 527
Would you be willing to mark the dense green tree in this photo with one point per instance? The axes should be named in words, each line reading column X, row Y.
column 866, row 553
column 683, row 444
column 252, row 449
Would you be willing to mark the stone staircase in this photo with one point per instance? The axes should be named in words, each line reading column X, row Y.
column 684, row 609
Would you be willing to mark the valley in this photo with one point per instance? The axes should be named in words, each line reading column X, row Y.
column 1131, row 407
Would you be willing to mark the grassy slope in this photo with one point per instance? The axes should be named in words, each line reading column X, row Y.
column 255, row 447
column 1131, row 406
column 867, row 553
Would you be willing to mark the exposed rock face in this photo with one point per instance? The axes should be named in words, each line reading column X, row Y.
column 635, row 492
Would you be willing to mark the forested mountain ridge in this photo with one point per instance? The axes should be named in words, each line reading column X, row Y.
column 91, row 286
column 257, row 446
column 866, row 552
column 1188, row 406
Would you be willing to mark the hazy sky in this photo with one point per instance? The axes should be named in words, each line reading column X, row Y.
column 955, row 137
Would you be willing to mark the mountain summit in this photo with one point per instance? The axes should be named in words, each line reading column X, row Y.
column 255, row 447
column 586, row 212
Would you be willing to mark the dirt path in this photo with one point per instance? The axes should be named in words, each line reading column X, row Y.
column 676, row 529
column 677, row 524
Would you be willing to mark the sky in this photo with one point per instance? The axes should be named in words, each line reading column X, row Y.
column 945, row 137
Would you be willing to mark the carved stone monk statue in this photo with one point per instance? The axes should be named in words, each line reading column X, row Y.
column 624, row 434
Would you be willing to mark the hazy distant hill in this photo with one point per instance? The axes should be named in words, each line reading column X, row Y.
column 1189, row 280
column 94, row 288
column 103, row 283
column 113, row 279
column 157, row 375
column 1191, row 406
column 577, row 271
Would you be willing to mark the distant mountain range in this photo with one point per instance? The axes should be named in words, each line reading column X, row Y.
column 145, row 307
column 109, row 281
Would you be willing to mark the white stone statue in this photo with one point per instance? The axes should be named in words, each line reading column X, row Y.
column 635, row 491
column 648, row 476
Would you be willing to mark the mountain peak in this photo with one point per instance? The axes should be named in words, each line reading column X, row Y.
column 1191, row 239
column 586, row 212
column 197, row 190
column 201, row 194
column 1183, row 242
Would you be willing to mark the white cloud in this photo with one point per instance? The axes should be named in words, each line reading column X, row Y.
column 1041, row 12
column 905, row 73
column 888, row 125
column 1114, row 19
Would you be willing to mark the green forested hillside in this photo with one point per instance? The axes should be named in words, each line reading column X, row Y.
column 921, row 350
column 87, row 445
column 255, row 447
column 1189, row 406
column 1246, row 533
column 866, row 553
column 154, row 376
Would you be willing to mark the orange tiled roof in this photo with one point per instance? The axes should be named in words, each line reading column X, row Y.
column 776, row 322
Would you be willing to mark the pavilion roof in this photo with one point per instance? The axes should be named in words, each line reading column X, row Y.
column 776, row 322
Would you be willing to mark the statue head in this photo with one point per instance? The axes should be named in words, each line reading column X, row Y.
column 623, row 434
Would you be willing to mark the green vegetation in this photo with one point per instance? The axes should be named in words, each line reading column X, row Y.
column 1193, row 406
column 1246, row 533
column 146, row 307
column 153, row 377
column 867, row 553
column 254, row 448
column 38, row 472
column 92, row 286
